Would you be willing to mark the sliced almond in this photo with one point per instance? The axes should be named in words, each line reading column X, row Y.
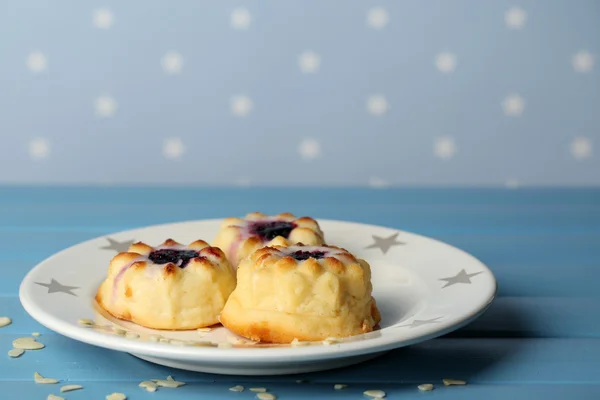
column 378, row 394
column 297, row 343
column 258, row 390
column 426, row 387
column 177, row 342
column 54, row 397
column 27, row 344
column 85, row 321
column 224, row 345
column 14, row 353
column 154, row 338
column 237, row 388
column 131, row 335
column 265, row 396
column 40, row 379
column 204, row 329
column 4, row 321
column 203, row 343
column 119, row 331
column 36, row 334
column 69, row 388
column 116, row 396
column 149, row 386
column 449, row 382
column 339, row 386
column 168, row 383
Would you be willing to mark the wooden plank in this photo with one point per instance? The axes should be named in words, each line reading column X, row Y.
column 292, row 390
column 425, row 219
column 102, row 195
column 538, row 317
column 478, row 361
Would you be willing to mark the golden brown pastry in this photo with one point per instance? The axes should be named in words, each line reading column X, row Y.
column 170, row 286
column 308, row 293
column 239, row 238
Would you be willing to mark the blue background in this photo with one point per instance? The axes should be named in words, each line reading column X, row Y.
column 55, row 104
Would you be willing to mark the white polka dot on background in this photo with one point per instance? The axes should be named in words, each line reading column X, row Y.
column 378, row 183
column 172, row 62
column 581, row 148
column 103, row 18
column 515, row 18
column 378, row 18
column 173, row 148
column 582, row 61
column 37, row 62
column 39, row 148
column 105, row 106
column 240, row 18
column 309, row 149
column 444, row 147
column 377, row 105
column 446, row 62
column 241, row 105
column 513, row 105
column 309, row 62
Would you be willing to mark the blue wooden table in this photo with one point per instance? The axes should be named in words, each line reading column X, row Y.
column 539, row 340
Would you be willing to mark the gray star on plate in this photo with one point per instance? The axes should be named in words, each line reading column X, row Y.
column 461, row 277
column 55, row 287
column 384, row 244
column 117, row 246
column 418, row 322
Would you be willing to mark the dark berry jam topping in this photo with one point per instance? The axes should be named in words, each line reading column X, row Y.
column 269, row 230
column 301, row 255
column 164, row 256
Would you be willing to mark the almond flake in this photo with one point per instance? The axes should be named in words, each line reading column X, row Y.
column 176, row 342
column 164, row 340
column 339, row 386
column 265, row 396
column 378, row 394
column 14, row 353
column 168, row 383
column 4, row 321
column 118, row 330
column 116, row 396
column 53, row 397
column 426, row 387
column 149, row 386
column 225, row 345
column 40, row 379
column 154, row 338
column 258, row 390
column 203, row 329
column 237, row 388
column 36, row 334
column 27, row 344
column 85, row 321
column 296, row 343
column 131, row 335
column 449, row 382
column 68, row 388
column 203, row 343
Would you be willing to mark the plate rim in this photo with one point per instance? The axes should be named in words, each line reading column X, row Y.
column 249, row 355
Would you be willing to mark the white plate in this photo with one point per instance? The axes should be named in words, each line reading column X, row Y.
column 423, row 288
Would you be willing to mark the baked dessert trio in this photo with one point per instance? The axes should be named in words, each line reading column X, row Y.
column 270, row 279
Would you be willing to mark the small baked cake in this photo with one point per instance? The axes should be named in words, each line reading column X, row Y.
column 308, row 293
column 239, row 238
column 170, row 286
